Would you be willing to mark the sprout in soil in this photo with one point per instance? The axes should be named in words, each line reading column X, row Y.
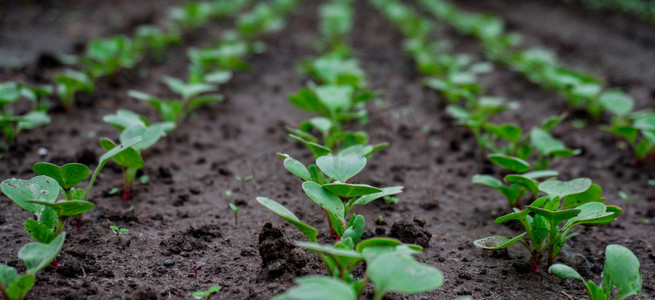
column 117, row 231
column 574, row 202
column 70, row 82
column 621, row 271
column 627, row 199
column 206, row 294
column 36, row 256
column 195, row 269
column 236, row 210
column 10, row 124
column 228, row 194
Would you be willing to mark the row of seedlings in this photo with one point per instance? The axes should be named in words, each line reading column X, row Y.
column 40, row 194
column 103, row 57
column 338, row 95
column 547, row 220
column 541, row 66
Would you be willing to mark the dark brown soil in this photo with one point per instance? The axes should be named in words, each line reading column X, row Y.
column 180, row 219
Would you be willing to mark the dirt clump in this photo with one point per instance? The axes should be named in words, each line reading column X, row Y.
column 412, row 232
column 279, row 255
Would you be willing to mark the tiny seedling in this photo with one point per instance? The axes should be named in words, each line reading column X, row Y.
column 10, row 125
column 195, row 269
column 244, row 179
column 117, row 231
column 627, row 199
column 228, row 194
column 621, row 271
column 70, row 82
column 206, row 294
column 236, row 210
column 192, row 95
column 573, row 203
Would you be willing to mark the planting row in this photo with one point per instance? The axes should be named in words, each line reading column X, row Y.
column 40, row 195
column 541, row 66
column 547, row 220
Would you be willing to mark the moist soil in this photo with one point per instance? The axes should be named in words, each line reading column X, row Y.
column 183, row 236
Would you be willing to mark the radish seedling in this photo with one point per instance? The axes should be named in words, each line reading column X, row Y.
column 36, row 256
column 638, row 129
column 176, row 111
column 117, row 231
column 10, row 124
column 621, row 271
column 574, row 202
column 206, row 294
column 520, row 182
column 236, row 210
column 70, row 82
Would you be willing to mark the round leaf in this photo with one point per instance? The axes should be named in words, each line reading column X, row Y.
column 319, row 288
column 42, row 188
column 349, row 190
column 564, row 188
column 622, row 266
column 497, row 242
column 37, row 255
column 401, row 273
column 324, row 198
column 341, row 167
column 68, row 175
column 513, row 164
column 564, row 271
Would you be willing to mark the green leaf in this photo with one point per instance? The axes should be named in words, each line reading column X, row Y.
column 556, row 216
column 125, row 118
column 18, row 288
column 507, row 132
column 487, row 180
column 38, row 256
column 547, row 145
column 387, row 191
column 349, row 190
column 324, row 198
column 336, row 98
column 564, row 188
column 306, row 100
column 288, row 216
column 128, row 157
column 295, row 167
column 341, row 167
column 498, row 241
column 319, row 288
column 317, row 150
column 622, row 267
column 41, row 188
column 187, row 91
column 645, row 122
column 68, row 175
column 399, row 272
column 9, row 92
column 33, row 119
column 218, row 77
column 39, row 232
column 343, row 257
column 67, row 208
column 149, row 136
column 564, row 271
column 523, row 181
column 513, row 164
column 617, row 102
column 204, row 100
column 378, row 242
column 593, row 194
column 355, row 229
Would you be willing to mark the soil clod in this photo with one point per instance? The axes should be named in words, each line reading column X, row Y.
column 411, row 232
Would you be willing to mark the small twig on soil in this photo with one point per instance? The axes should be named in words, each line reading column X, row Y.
column 83, row 272
column 567, row 295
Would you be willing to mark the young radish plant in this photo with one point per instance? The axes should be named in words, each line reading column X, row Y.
column 573, row 203
column 132, row 126
column 521, row 181
column 192, row 95
column 236, row 210
column 326, row 183
column 70, row 82
column 35, row 256
column 621, row 271
column 390, row 265
column 11, row 124
column 117, row 231
column 206, row 294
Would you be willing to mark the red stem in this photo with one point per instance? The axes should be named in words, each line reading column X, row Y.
column 55, row 264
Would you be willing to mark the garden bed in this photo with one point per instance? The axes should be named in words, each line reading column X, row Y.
column 180, row 217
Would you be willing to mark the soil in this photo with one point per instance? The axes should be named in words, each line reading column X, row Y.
column 180, row 219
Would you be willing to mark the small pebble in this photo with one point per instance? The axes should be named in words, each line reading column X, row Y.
column 42, row 151
column 169, row 263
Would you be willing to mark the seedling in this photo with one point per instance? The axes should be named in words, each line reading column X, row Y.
column 390, row 264
column 627, row 199
column 621, row 271
column 521, row 181
column 117, row 231
column 244, row 179
column 10, row 124
column 191, row 97
column 236, row 210
column 104, row 57
column 36, row 256
column 133, row 125
column 195, row 270
column 206, row 294
column 638, row 129
column 336, row 22
column 71, row 82
column 574, row 202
